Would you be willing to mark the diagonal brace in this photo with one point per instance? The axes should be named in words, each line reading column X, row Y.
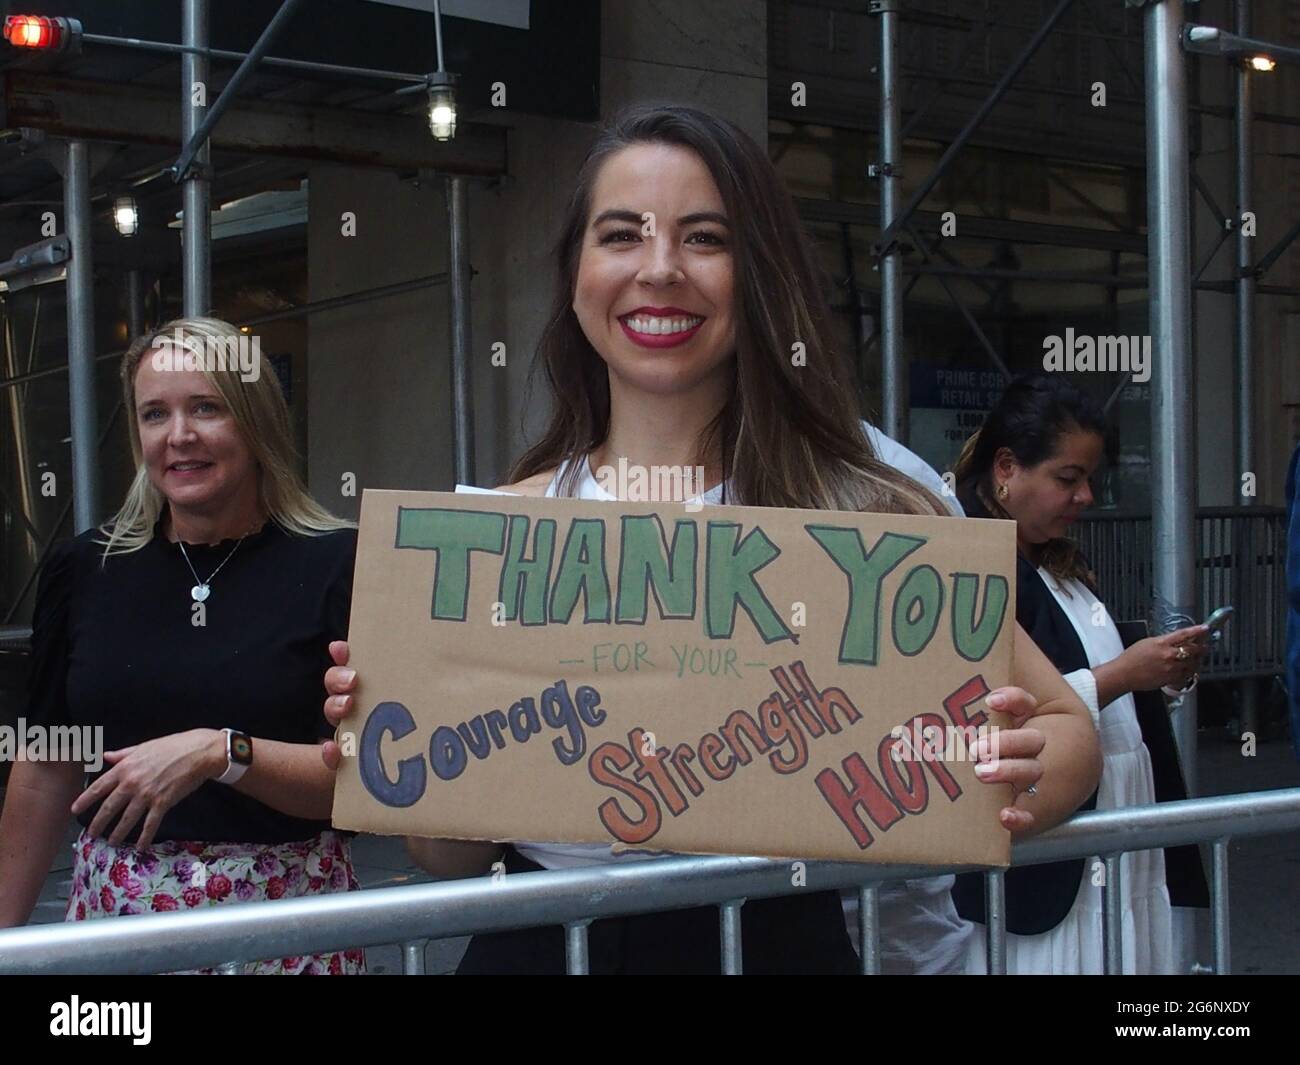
column 181, row 168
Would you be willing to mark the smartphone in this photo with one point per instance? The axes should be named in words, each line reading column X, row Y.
column 1217, row 620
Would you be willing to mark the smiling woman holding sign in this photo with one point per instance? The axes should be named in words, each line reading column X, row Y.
column 689, row 332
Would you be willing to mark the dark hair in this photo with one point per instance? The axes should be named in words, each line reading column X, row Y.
column 789, row 436
column 1029, row 419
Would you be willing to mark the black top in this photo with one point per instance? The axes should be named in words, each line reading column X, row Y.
column 116, row 646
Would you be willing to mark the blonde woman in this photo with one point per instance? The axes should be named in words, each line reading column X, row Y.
column 193, row 629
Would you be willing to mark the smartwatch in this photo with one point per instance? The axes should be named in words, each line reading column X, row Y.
column 239, row 755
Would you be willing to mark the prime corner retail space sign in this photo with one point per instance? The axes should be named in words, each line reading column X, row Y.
column 732, row 680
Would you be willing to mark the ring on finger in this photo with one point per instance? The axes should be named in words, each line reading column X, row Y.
column 1182, row 652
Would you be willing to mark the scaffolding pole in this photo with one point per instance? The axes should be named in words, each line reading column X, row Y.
column 1245, row 277
column 458, row 272
column 1244, row 334
column 196, row 223
column 893, row 383
column 1173, row 449
column 1173, row 482
column 81, row 337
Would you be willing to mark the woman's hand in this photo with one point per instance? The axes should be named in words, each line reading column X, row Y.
column 1155, row 663
column 339, row 682
column 149, row 779
column 1010, row 755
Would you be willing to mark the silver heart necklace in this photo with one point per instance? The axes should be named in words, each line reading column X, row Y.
column 202, row 589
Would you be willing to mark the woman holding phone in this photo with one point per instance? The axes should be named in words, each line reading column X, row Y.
column 1032, row 462
column 684, row 284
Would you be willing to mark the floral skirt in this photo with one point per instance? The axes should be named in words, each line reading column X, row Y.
column 110, row 881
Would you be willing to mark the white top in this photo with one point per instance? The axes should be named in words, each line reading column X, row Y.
column 892, row 453
column 1119, row 730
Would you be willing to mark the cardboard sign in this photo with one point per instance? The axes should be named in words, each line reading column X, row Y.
column 712, row 680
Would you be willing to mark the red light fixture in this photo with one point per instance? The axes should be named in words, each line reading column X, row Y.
column 51, row 34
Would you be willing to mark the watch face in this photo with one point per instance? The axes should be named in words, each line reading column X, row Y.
column 241, row 748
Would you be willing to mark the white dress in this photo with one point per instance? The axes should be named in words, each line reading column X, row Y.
column 1076, row 945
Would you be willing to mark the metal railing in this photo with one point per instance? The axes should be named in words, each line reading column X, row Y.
column 1240, row 556
column 229, row 936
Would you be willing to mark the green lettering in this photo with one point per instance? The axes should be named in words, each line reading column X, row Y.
column 452, row 534
column 914, row 628
column 534, row 574
column 729, row 579
column 860, row 638
column 642, row 563
column 974, row 641
column 582, row 569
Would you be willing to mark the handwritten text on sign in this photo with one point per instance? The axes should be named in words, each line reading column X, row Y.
column 641, row 643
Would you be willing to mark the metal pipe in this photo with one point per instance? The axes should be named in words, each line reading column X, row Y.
column 733, row 963
column 83, row 413
column 1245, row 288
column 333, row 303
column 869, row 929
column 196, row 221
column 300, row 311
column 1219, row 934
column 1210, row 40
column 995, row 922
column 413, row 957
column 893, row 382
column 576, row 959
column 458, row 272
column 199, row 137
column 1055, row 277
column 1173, row 450
column 437, row 31
column 999, row 90
column 1274, row 253
column 980, row 335
column 1112, row 916
column 30, row 544
column 322, row 923
column 1260, row 290
column 305, row 65
column 1244, row 334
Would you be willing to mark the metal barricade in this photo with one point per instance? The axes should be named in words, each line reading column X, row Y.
column 1240, row 560
column 229, row 936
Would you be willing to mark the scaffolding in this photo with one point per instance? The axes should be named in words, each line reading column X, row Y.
column 193, row 171
column 1167, row 41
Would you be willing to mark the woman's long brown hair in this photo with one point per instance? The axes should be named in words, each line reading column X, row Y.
column 790, row 435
